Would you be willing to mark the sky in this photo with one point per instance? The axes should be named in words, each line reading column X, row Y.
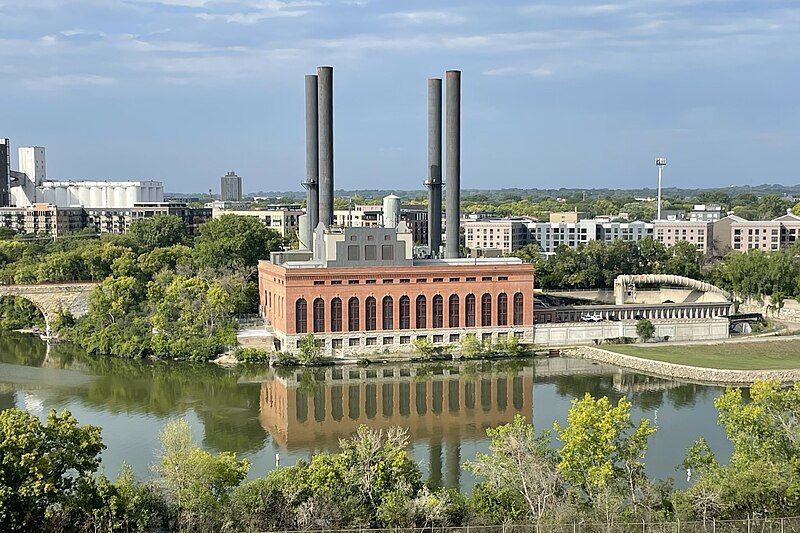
column 572, row 93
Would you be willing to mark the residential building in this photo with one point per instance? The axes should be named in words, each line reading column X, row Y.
column 45, row 219
column 548, row 236
column 230, row 187
column 699, row 233
column 738, row 234
column 505, row 234
column 567, row 216
column 706, row 213
column 119, row 219
column 625, row 231
column 284, row 220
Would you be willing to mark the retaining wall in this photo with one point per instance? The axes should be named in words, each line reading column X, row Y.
column 571, row 333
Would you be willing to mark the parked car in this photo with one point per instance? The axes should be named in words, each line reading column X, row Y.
column 592, row 317
column 613, row 318
column 638, row 317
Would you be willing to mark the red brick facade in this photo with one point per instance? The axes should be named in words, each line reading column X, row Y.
column 452, row 298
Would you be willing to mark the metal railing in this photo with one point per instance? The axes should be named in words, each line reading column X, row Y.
column 752, row 525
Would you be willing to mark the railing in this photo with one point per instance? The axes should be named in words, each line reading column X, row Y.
column 752, row 525
column 253, row 319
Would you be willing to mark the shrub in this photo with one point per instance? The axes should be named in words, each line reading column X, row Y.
column 251, row 355
column 309, row 351
column 645, row 329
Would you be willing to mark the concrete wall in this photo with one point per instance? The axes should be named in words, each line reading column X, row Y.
column 586, row 333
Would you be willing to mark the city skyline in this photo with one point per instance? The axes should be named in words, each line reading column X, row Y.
column 583, row 94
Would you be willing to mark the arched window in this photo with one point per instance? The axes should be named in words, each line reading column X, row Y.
column 502, row 309
column 405, row 312
column 319, row 315
column 336, row 314
column 519, row 309
column 422, row 312
column 371, row 314
column 486, row 310
column 388, row 313
column 452, row 311
column 469, row 315
column 438, row 311
column 300, row 320
column 352, row 314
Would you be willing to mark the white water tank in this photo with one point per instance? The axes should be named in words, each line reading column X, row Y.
column 391, row 211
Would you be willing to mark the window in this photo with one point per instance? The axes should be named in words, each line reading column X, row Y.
column 336, row 282
column 300, row 310
column 370, row 282
column 336, row 344
column 354, row 341
column 486, row 310
column 352, row 252
column 405, row 339
column 387, row 252
column 371, row 314
column 319, row 282
column 486, row 278
column 422, row 312
column 319, row 315
column 370, row 253
column 422, row 280
column 352, row 314
column 452, row 311
column 336, row 314
column 405, row 312
column 405, row 280
column 470, row 279
column 372, row 341
column 438, row 311
column 437, row 339
column 502, row 309
column 388, row 281
column 519, row 309
column 502, row 278
column 352, row 282
column 454, row 337
column 455, row 279
column 388, row 340
column 388, row 313
column 469, row 317
column 438, row 280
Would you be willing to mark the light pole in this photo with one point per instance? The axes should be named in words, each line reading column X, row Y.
column 661, row 162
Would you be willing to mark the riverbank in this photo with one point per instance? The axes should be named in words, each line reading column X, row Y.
column 728, row 363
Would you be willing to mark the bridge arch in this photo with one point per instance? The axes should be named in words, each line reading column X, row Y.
column 54, row 298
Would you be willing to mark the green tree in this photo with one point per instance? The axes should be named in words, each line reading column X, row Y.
column 42, row 465
column 470, row 345
column 235, row 241
column 198, row 484
column 684, row 260
column 309, row 351
column 160, row 231
column 523, row 463
column 645, row 329
column 602, row 454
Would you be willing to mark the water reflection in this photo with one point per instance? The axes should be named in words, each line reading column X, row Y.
column 296, row 413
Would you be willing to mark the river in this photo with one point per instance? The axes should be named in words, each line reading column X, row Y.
column 285, row 415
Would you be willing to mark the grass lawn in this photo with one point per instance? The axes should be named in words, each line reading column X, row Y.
column 771, row 355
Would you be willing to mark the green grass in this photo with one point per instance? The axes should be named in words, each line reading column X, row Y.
column 771, row 355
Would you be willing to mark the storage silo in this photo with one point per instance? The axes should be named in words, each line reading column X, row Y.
column 391, row 211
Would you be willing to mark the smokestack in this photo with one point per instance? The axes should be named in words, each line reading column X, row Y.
column 312, row 162
column 434, row 182
column 325, row 124
column 452, row 246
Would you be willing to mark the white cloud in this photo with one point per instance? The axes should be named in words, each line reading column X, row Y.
column 425, row 17
column 538, row 72
column 57, row 81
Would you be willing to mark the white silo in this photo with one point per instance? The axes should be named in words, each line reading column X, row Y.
column 119, row 196
column 391, row 211
column 96, row 196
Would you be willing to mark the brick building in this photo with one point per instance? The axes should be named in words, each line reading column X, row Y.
column 699, row 233
column 362, row 291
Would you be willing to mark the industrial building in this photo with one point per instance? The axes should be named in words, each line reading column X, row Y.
column 360, row 289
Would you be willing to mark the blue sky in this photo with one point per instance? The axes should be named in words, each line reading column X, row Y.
column 559, row 93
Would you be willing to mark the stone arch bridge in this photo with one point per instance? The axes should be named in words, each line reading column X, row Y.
column 53, row 298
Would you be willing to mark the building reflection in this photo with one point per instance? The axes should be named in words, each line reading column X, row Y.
column 441, row 408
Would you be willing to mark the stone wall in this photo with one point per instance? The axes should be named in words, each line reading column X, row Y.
column 790, row 310
column 571, row 333
column 684, row 372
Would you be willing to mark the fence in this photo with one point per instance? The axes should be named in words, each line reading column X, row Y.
column 753, row 525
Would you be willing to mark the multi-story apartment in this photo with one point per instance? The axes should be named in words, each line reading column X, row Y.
column 505, row 234
column 371, row 216
column 283, row 220
column 706, row 213
column 44, row 219
column 230, row 187
column 625, row 231
column 699, row 233
column 740, row 235
column 119, row 219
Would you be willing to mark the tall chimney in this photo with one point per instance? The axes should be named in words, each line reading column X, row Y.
column 312, row 161
column 434, row 181
column 452, row 246
column 325, row 124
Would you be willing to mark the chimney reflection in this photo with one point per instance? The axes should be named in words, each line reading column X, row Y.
column 441, row 407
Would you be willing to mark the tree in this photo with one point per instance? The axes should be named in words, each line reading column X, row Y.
column 470, row 345
column 309, row 351
column 197, row 483
column 645, row 329
column 42, row 465
column 160, row 231
column 522, row 463
column 602, row 454
column 235, row 241
column 684, row 260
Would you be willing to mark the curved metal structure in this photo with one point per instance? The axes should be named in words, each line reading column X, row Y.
column 624, row 280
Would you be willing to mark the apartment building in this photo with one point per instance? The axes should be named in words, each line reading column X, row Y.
column 671, row 232
column 42, row 218
column 284, row 220
column 505, row 234
column 119, row 219
column 741, row 235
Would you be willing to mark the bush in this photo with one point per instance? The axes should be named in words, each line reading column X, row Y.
column 251, row 355
column 286, row 359
column 309, row 351
column 645, row 329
